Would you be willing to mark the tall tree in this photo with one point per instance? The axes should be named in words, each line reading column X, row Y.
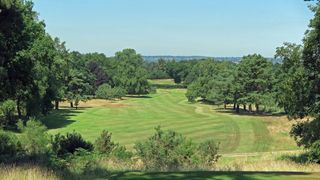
column 130, row 72
column 255, row 79
column 307, row 102
column 19, row 30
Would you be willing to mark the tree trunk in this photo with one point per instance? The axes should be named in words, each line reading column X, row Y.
column 250, row 108
column 257, row 108
column 244, row 107
column 56, row 104
column 238, row 108
column 19, row 109
column 71, row 104
column 225, row 106
column 234, row 106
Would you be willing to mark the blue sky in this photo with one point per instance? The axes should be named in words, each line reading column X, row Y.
column 176, row 27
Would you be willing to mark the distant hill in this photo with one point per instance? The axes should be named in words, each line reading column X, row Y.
column 186, row 58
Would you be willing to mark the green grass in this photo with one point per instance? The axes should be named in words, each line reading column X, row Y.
column 134, row 119
column 218, row 175
column 162, row 81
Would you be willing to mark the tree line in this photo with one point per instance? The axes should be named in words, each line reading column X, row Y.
column 37, row 69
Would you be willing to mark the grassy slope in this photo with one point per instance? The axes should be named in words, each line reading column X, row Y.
column 134, row 119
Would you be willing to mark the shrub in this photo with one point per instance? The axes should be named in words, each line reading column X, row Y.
column 82, row 162
column 119, row 92
column 8, row 108
column 208, row 152
column 120, row 152
column 9, row 146
column 69, row 144
column 192, row 92
column 166, row 150
column 105, row 91
column 34, row 138
column 104, row 144
column 314, row 152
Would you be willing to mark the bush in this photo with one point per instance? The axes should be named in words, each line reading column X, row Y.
column 119, row 92
column 166, row 151
column 192, row 92
column 314, row 152
column 9, row 146
column 34, row 138
column 208, row 152
column 69, row 144
column 120, row 152
column 8, row 109
column 83, row 162
column 105, row 91
column 104, row 144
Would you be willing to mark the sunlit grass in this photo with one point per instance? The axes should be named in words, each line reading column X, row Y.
column 134, row 118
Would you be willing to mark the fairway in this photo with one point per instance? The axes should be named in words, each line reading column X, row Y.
column 134, row 119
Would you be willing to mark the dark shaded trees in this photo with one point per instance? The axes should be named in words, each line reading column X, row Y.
column 254, row 81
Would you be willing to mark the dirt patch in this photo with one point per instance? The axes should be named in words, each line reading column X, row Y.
column 99, row 103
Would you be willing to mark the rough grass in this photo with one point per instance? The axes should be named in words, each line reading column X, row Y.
column 39, row 173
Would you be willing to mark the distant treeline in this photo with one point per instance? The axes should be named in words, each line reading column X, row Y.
column 254, row 81
column 188, row 58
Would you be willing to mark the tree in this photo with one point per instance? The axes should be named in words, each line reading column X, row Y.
column 105, row 91
column 19, row 29
column 307, row 83
column 99, row 73
column 130, row 72
column 291, row 87
column 7, row 108
column 78, row 87
column 212, row 81
column 255, row 79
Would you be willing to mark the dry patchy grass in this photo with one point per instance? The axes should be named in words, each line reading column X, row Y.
column 26, row 172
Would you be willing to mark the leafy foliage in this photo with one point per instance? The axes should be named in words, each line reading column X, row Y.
column 69, row 144
column 168, row 150
column 105, row 91
column 208, row 152
column 130, row 72
column 104, row 144
column 314, row 152
column 10, row 146
column 34, row 139
column 7, row 108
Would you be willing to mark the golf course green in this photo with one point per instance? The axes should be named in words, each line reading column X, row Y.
column 135, row 117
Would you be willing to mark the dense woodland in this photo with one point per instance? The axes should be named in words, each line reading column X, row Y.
column 37, row 72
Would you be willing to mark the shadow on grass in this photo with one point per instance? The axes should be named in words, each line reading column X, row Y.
column 60, row 118
column 137, row 96
column 208, row 175
column 247, row 113
column 220, row 108
column 297, row 158
column 169, row 86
